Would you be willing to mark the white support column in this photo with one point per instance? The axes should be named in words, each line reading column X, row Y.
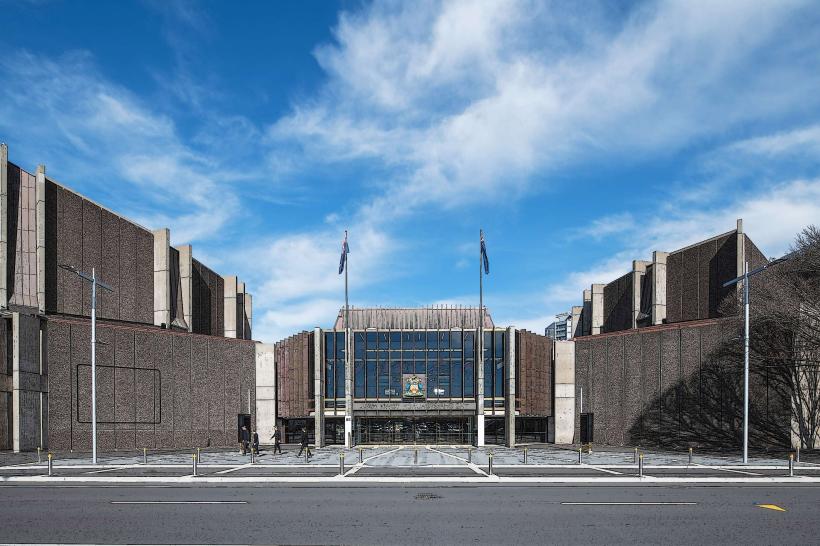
column 318, row 389
column 577, row 318
column 348, row 388
column 4, row 225
column 186, row 270
column 265, row 391
column 659, row 286
column 248, row 315
column 509, row 400
column 162, row 277
column 564, row 381
column 40, row 223
column 231, row 286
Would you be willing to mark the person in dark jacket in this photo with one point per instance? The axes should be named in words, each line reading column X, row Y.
column 304, row 444
column 245, row 437
column 277, row 440
column 255, row 442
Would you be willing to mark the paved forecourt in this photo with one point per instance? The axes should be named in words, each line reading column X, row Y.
column 401, row 464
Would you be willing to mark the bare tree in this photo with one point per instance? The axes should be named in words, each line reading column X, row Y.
column 785, row 315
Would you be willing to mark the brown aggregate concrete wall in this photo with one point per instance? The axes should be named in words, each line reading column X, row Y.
column 694, row 278
column 5, row 385
column 208, row 295
column 618, row 304
column 294, row 376
column 674, row 385
column 84, row 235
column 533, row 367
column 156, row 388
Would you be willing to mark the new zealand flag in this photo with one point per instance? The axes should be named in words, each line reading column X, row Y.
column 345, row 250
column 484, row 255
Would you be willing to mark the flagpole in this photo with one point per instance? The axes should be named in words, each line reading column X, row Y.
column 348, row 361
column 479, row 361
column 347, row 307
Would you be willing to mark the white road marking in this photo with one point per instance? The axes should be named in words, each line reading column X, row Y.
column 472, row 466
column 629, row 503
column 724, row 469
column 234, row 469
column 603, row 469
column 179, row 502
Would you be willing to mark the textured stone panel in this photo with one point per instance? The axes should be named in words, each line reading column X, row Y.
column 650, row 343
column 690, row 289
column 51, row 224
column 69, row 252
column 726, row 266
column 217, row 364
column 108, row 302
column 598, row 389
column 91, row 249
column 199, row 385
column 60, row 387
column 618, row 304
column 690, row 383
column 183, row 406
column 127, row 271
column 674, row 277
column 633, row 387
column 124, row 380
column 707, row 275
column 145, row 277
column 615, row 391
column 670, row 386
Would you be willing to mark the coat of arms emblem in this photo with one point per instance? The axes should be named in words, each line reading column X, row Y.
column 414, row 385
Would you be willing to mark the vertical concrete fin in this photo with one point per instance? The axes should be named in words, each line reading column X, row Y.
column 638, row 273
column 248, row 315
column 577, row 318
column 659, row 286
column 509, row 400
column 4, row 225
column 186, row 283
column 597, row 308
column 318, row 389
column 162, row 277
column 231, row 292
column 564, row 391
column 40, row 215
column 266, row 411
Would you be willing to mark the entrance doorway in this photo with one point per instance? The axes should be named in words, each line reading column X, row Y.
column 243, row 419
column 414, row 430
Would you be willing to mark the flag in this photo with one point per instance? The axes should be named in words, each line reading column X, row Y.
column 484, row 255
column 343, row 259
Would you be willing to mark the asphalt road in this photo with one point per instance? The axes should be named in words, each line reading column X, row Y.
column 350, row 514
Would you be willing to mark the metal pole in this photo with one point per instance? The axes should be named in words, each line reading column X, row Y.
column 746, row 365
column 791, row 465
column 490, row 464
column 307, row 450
column 361, row 455
column 525, row 455
column 39, row 449
column 469, row 455
column 640, row 465
column 50, row 456
column 579, row 455
column 635, row 456
column 253, row 456
column 93, row 366
column 198, row 454
column 798, row 454
column 194, row 464
column 690, row 455
column 341, row 464
column 145, row 455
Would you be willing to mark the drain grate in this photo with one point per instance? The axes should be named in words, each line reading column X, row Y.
column 427, row 496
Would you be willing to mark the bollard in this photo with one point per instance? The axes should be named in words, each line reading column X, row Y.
column 797, row 458
column 145, row 455
column 469, row 455
column 416, row 456
column 690, row 455
column 579, row 455
column 194, row 464
column 791, row 465
column 253, row 456
column 50, row 456
column 525, row 455
column 39, row 449
column 490, row 464
column 640, row 465
column 341, row 464
column 306, row 455
column 198, row 454
column 361, row 455
column 635, row 456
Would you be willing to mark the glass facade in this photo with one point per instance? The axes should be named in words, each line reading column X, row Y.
column 334, row 351
column 494, row 369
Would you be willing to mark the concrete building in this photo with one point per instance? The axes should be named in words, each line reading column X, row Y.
column 561, row 329
column 174, row 369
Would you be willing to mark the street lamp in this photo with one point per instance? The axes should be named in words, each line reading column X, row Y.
column 94, row 283
column 745, row 279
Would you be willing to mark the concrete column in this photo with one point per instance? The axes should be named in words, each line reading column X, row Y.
column 162, row 277
column 659, row 286
column 587, row 313
column 318, row 388
column 27, row 383
column 4, row 225
column 597, row 308
column 186, row 270
column 564, row 392
column 577, row 317
column 40, row 223
column 265, row 391
column 509, row 400
column 231, row 288
column 479, row 389
column 248, row 307
column 638, row 274
column 348, row 388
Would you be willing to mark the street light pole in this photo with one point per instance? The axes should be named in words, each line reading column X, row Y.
column 745, row 280
column 94, row 283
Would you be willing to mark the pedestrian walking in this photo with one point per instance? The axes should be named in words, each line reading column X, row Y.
column 255, row 441
column 304, row 444
column 277, row 440
column 245, row 438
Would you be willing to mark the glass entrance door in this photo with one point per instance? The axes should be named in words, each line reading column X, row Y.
column 414, row 430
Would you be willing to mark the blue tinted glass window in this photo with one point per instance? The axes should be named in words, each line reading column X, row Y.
column 358, row 379
column 383, row 340
column 329, row 379
column 499, row 344
column 395, row 379
column 384, row 379
column 406, row 340
column 395, row 340
column 418, row 341
column 444, row 340
column 358, row 342
column 469, row 378
column 384, row 355
column 469, row 338
column 407, row 366
column 371, row 379
column 420, row 366
column 444, row 378
column 329, row 344
column 488, row 344
column 432, row 384
column 340, row 379
column 499, row 378
column 371, row 340
column 455, row 340
column 432, row 340
column 488, row 378
column 340, row 345
column 455, row 383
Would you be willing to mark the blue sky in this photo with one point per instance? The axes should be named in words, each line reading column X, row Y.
column 579, row 135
